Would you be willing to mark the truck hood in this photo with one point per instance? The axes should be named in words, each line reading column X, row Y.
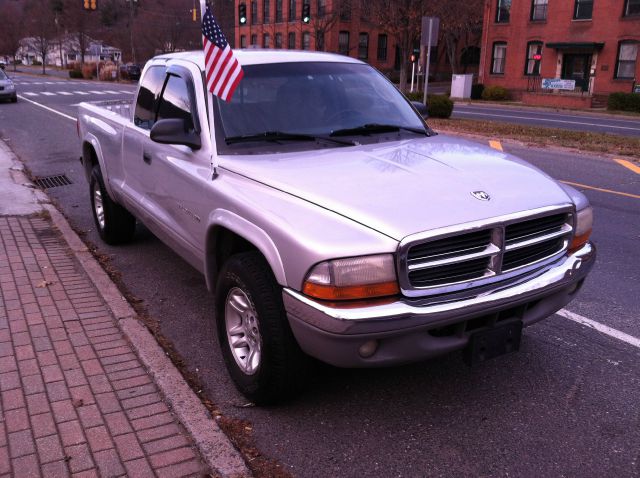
column 404, row 187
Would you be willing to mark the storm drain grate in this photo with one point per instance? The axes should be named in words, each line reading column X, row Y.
column 48, row 182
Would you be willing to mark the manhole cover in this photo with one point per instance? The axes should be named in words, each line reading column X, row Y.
column 48, row 182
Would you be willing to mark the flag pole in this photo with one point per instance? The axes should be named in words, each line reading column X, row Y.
column 212, row 137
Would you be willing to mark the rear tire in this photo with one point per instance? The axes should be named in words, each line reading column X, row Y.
column 114, row 223
column 259, row 349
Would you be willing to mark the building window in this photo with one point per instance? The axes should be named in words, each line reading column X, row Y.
column 322, row 8
column 631, row 8
column 626, row 62
column 266, row 41
column 539, row 10
column 254, row 13
column 583, row 10
column 254, row 39
column 278, row 11
column 343, row 43
column 345, row 11
column 364, row 10
column 382, row 48
column 306, row 41
column 278, row 40
column 534, row 57
column 292, row 41
column 319, row 40
column 292, row 10
column 363, row 46
column 266, row 7
column 498, row 58
column 503, row 11
column 243, row 41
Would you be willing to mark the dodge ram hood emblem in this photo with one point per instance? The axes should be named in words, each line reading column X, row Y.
column 481, row 195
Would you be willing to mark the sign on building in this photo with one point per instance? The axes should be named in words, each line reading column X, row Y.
column 558, row 84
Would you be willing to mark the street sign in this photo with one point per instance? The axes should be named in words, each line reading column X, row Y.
column 558, row 84
column 636, row 88
column 434, row 28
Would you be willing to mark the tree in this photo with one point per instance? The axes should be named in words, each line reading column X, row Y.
column 323, row 20
column 458, row 21
column 11, row 32
column 41, row 26
column 402, row 20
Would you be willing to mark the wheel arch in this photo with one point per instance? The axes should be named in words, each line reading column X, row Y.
column 230, row 234
column 92, row 156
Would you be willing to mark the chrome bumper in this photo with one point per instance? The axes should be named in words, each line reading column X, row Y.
column 403, row 327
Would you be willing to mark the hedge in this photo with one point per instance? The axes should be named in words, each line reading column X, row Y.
column 440, row 106
column 624, row 102
column 77, row 74
column 495, row 93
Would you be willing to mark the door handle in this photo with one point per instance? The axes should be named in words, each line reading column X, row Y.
column 146, row 157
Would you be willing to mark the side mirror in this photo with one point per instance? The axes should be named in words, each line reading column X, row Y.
column 421, row 108
column 174, row 131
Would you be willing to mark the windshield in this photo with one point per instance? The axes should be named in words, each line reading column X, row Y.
column 316, row 99
column 3, row 76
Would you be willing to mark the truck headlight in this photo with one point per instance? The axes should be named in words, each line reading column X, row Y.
column 353, row 278
column 584, row 224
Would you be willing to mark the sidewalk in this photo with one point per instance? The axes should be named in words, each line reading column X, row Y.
column 81, row 393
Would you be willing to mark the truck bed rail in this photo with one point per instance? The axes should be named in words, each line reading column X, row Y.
column 120, row 107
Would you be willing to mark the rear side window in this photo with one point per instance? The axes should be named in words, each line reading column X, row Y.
column 175, row 102
column 147, row 102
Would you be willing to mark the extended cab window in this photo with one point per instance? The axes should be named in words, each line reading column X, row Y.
column 175, row 102
column 147, row 102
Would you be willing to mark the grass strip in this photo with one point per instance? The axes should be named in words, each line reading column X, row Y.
column 540, row 136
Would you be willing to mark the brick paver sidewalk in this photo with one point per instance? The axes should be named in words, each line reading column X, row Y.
column 75, row 399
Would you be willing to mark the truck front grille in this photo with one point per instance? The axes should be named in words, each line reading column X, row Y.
column 490, row 253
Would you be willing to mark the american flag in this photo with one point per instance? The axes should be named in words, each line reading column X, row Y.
column 223, row 70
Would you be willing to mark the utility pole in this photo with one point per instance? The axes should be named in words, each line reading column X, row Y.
column 131, row 7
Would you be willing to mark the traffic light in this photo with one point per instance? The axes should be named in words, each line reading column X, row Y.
column 306, row 13
column 90, row 5
column 242, row 14
column 87, row 5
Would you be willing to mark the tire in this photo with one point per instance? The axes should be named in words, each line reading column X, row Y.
column 249, row 302
column 114, row 223
column 14, row 99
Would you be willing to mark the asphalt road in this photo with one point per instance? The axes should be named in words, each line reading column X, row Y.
column 566, row 405
column 576, row 121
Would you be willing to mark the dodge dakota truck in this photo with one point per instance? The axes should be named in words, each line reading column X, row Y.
column 328, row 219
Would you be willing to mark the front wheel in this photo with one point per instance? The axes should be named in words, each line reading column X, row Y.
column 259, row 349
column 115, row 224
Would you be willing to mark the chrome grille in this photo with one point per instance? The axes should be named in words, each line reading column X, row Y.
column 449, row 261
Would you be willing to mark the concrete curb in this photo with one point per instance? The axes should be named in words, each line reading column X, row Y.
column 214, row 446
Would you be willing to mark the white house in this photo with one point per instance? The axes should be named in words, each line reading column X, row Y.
column 66, row 49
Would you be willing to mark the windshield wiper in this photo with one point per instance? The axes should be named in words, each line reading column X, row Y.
column 284, row 136
column 372, row 128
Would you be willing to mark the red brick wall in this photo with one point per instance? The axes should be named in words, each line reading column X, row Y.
column 607, row 26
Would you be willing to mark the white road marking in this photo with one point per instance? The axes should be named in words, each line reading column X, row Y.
column 50, row 83
column 616, row 334
column 47, row 93
column 65, row 93
column 30, row 93
column 96, row 92
column 47, row 108
column 507, row 116
column 81, row 92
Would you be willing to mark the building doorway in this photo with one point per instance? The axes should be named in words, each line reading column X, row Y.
column 577, row 67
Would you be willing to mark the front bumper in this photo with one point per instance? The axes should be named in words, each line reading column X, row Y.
column 412, row 330
column 8, row 94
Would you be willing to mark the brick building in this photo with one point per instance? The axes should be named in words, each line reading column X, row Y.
column 594, row 42
column 347, row 30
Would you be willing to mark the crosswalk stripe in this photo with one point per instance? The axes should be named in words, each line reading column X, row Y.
column 81, row 92
column 48, row 93
column 30, row 93
column 65, row 93
column 96, row 92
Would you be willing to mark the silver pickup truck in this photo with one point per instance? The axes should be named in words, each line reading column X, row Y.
column 328, row 218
